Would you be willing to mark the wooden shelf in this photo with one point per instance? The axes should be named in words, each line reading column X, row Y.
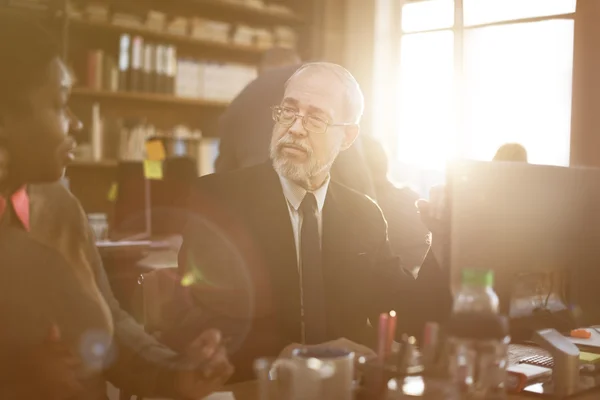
column 242, row 10
column 172, row 38
column 147, row 97
column 94, row 164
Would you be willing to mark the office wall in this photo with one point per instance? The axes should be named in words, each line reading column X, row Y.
column 346, row 35
column 585, row 124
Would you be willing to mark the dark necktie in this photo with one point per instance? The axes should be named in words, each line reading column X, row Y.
column 313, row 295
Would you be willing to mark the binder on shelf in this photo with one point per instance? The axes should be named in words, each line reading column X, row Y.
column 95, row 66
column 97, row 139
column 124, row 61
column 171, row 69
column 137, row 58
column 149, row 68
column 110, row 76
column 160, row 58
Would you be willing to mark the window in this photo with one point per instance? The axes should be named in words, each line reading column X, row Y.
column 427, row 15
column 515, row 83
column 488, row 11
column 518, row 89
column 426, row 113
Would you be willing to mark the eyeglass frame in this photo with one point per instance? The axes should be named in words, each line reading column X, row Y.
column 297, row 114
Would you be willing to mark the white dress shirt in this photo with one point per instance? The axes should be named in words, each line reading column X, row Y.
column 294, row 195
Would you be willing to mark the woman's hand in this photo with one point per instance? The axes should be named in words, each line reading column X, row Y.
column 208, row 367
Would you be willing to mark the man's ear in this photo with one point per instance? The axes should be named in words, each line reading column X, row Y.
column 350, row 135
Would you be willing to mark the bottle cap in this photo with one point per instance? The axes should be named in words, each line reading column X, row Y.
column 474, row 277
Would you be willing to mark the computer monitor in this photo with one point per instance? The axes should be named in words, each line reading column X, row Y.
column 132, row 210
column 145, row 208
column 169, row 196
column 516, row 218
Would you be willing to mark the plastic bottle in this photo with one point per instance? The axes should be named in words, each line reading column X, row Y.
column 478, row 338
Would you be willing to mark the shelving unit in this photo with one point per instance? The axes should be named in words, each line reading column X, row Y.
column 91, row 180
column 151, row 98
column 94, row 164
column 250, row 13
column 234, row 50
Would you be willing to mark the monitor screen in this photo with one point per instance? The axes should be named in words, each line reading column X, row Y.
column 518, row 219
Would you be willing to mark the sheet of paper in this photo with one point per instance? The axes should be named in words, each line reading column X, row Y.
column 221, row 396
column 153, row 170
column 155, row 150
column 589, row 357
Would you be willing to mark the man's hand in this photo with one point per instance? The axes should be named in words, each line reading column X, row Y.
column 208, row 367
column 358, row 349
column 342, row 343
column 289, row 349
column 46, row 371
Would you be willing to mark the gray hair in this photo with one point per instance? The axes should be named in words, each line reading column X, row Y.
column 355, row 101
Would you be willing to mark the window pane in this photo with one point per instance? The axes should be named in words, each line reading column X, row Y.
column 486, row 11
column 425, row 114
column 383, row 70
column 427, row 15
column 518, row 89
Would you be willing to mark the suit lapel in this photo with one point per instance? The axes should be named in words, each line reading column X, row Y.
column 276, row 237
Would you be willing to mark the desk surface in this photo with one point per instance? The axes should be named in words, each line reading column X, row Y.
column 249, row 391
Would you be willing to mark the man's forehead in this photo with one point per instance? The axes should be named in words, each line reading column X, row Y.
column 316, row 79
column 315, row 90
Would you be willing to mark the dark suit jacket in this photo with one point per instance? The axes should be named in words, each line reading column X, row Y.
column 239, row 247
column 246, row 126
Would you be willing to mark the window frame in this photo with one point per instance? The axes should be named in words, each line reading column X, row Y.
column 459, row 29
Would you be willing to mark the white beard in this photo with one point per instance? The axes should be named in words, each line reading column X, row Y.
column 301, row 173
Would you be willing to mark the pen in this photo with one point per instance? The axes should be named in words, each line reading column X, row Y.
column 382, row 336
column 391, row 333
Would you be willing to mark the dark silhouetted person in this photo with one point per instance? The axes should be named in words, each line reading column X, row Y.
column 406, row 231
column 511, row 152
column 278, row 57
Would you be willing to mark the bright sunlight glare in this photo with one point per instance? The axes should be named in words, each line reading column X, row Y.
column 516, row 85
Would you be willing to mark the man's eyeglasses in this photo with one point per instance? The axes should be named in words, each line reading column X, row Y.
column 287, row 116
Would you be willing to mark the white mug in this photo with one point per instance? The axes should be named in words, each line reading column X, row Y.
column 335, row 368
column 312, row 374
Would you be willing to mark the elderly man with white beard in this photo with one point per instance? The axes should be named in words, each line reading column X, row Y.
column 279, row 253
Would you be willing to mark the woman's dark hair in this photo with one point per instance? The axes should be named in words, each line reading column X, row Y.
column 26, row 50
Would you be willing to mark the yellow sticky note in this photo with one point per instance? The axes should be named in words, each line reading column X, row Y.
column 155, row 150
column 589, row 357
column 153, row 170
column 113, row 192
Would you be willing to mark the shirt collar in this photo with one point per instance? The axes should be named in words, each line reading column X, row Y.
column 20, row 204
column 295, row 193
